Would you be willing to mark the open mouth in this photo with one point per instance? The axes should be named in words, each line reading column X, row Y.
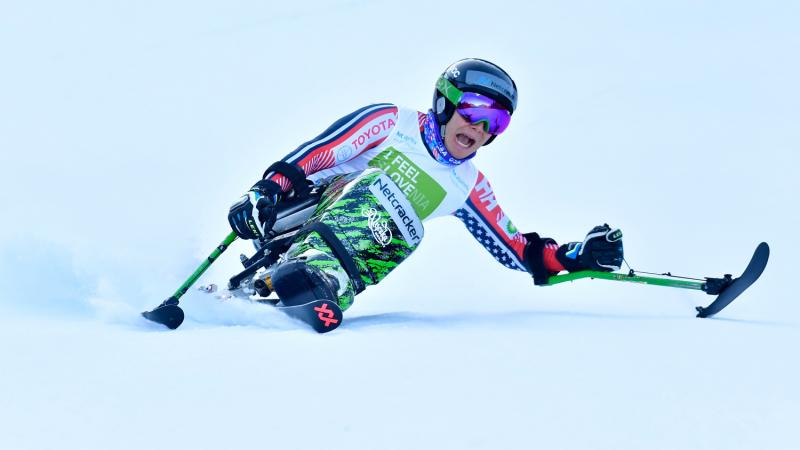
column 464, row 140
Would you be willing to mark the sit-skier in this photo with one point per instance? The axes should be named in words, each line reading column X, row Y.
column 388, row 169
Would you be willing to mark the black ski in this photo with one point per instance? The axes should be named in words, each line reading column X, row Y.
column 321, row 315
column 732, row 288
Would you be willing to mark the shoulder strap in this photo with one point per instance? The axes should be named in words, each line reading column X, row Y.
column 294, row 173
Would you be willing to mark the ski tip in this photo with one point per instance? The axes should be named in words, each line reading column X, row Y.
column 759, row 261
column 731, row 290
column 326, row 316
column 763, row 247
column 322, row 315
column 171, row 316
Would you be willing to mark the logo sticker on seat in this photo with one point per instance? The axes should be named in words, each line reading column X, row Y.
column 379, row 227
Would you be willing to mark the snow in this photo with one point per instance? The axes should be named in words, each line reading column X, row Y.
column 516, row 378
column 128, row 129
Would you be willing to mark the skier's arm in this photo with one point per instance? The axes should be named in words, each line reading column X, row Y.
column 490, row 226
column 254, row 213
column 541, row 257
column 346, row 139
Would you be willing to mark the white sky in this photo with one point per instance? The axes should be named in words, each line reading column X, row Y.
column 128, row 128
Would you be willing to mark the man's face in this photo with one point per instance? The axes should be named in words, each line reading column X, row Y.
column 462, row 138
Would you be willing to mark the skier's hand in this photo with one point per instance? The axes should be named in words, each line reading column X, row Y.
column 601, row 250
column 253, row 215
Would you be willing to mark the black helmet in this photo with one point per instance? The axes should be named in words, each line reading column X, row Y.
column 474, row 75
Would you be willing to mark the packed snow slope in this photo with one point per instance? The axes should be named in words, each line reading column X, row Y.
column 128, row 129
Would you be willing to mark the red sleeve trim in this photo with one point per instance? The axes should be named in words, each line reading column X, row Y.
column 482, row 197
column 341, row 144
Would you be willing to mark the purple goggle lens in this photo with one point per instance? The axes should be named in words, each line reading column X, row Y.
column 477, row 108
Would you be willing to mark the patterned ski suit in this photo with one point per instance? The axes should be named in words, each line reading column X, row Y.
column 403, row 143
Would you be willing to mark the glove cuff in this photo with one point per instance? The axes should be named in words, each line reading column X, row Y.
column 534, row 257
column 568, row 256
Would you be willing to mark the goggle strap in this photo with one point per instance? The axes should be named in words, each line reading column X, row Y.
column 450, row 92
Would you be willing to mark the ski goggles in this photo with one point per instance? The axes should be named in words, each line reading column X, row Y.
column 476, row 108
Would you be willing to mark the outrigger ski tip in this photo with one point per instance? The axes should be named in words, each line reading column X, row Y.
column 167, row 313
column 726, row 288
column 732, row 288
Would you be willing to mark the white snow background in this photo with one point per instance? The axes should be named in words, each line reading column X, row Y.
column 128, row 128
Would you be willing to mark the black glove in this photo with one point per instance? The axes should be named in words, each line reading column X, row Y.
column 601, row 250
column 253, row 215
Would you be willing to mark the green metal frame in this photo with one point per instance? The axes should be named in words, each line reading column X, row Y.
column 615, row 276
column 204, row 266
